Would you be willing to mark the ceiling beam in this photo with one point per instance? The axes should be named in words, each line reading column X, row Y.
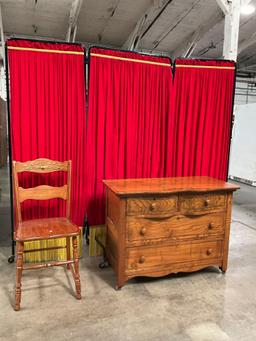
column 133, row 40
column 224, row 6
column 247, row 43
column 192, row 44
column 145, row 23
column 186, row 48
column 174, row 24
column 232, row 9
column 248, row 67
column 247, row 61
column 231, row 30
column 72, row 21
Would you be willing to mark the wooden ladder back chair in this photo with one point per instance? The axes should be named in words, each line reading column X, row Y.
column 46, row 228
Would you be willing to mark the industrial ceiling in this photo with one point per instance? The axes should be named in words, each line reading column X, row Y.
column 173, row 27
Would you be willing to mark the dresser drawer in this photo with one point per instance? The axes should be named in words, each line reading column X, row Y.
column 154, row 206
column 141, row 258
column 199, row 204
column 176, row 227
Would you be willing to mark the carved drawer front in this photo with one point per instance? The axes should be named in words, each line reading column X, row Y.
column 196, row 204
column 154, row 257
column 152, row 206
column 176, row 227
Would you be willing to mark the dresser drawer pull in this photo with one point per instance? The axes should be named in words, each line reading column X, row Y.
column 142, row 260
column 211, row 226
column 152, row 206
column 161, row 217
column 209, row 252
column 206, row 202
column 143, row 231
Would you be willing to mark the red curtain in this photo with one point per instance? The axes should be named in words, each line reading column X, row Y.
column 139, row 123
column 128, row 119
column 47, row 92
column 202, row 107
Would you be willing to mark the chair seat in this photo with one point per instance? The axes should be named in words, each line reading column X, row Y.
column 47, row 228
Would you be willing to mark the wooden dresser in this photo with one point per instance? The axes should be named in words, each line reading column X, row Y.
column 167, row 225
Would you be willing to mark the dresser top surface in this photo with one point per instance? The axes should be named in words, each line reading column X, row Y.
column 125, row 187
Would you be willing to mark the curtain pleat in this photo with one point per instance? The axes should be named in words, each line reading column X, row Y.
column 128, row 112
column 47, row 97
column 202, row 103
column 140, row 122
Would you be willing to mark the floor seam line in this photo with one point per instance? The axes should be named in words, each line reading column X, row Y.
column 240, row 222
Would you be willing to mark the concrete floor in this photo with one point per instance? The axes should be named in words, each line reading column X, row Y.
column 202, row 306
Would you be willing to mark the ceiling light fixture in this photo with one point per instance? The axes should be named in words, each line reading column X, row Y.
column 247, row 9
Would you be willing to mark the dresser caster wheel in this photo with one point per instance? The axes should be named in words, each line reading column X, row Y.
column 118, row 288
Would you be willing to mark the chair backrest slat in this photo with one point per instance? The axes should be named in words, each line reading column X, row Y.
column 43, row 192
column 41, row 166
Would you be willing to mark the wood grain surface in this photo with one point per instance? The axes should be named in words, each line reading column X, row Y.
column 160, row 226
column 124, row 187
column 47, row 228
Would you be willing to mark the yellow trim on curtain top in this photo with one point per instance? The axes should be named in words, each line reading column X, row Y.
column 43, row 50
column 207, row 67
column 129, row 59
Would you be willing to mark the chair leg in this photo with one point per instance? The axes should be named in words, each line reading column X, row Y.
column 68, row 251
column 19, row 267
column 76, row 268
